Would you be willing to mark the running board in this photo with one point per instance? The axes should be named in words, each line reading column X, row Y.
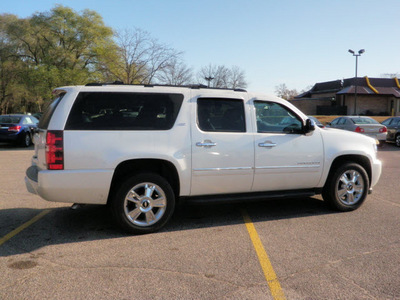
column 246, row 197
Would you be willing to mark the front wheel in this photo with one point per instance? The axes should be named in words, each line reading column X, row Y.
column 143, row 203
column 346, row 187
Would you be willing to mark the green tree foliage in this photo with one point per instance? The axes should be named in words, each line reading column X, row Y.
column 62, row 47
column 50, row 49
column 10, row 67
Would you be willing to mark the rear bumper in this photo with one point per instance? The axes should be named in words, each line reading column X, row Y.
column 9, row 138
column 78, row 186
column 381, row 137
column 31, row 179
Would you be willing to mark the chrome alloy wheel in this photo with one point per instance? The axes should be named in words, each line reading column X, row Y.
column 145, row 204
column 397, row 140
column 350, row 187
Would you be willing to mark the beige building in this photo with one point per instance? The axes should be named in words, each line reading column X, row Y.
column 352, row 96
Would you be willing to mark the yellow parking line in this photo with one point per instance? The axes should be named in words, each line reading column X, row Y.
column 269, row 273
column 23, row 226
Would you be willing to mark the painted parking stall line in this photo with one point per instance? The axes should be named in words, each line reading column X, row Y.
column 24, row 226
column 269, row 273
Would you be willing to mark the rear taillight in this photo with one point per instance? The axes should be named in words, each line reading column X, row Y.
column 359, row 129
column 383, row 129
column 55, row 150
column 14, row 128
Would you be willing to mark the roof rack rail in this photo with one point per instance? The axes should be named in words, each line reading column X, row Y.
column 190, row 86
column 104, row 83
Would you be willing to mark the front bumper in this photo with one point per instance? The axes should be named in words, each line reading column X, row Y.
column 376, row 171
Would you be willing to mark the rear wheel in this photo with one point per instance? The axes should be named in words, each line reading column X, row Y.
column 143, row 203
column 26, row 140
column 397, row 140
column 346, row 187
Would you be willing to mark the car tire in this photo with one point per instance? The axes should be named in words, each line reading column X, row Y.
column 397, row 140
column 26, row 140
column 143, row 203
column 347, row 187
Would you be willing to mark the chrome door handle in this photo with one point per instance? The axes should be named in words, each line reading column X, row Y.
column 267, row 144
column 206, row 144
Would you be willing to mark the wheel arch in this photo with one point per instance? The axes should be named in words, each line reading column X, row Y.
column 129, row 168
column 352, row 158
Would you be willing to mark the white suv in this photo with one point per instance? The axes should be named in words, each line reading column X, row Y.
column 141, row 149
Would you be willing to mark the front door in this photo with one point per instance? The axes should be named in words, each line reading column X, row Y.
column 285, row 157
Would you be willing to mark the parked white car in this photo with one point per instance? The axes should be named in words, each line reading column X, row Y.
column 142, row 149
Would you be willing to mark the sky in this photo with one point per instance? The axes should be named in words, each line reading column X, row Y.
column 297, row 43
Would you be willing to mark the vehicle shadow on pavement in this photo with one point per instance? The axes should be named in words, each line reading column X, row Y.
column 91, row 223
column 60, row 226
column 193, row 216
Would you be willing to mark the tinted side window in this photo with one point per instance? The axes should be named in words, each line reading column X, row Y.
column 273, row 117
column 45, row 119
column 124, row 111
column 388, row 122
column 224, row 115
column 342, row 121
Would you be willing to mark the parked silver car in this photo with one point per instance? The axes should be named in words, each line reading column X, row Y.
column 361, row 124
column 393, row 128
column 317, row 122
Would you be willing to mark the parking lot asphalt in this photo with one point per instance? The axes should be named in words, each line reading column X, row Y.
column 48, row 251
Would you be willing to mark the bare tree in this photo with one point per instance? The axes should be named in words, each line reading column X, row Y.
column 139, row 57
column 390, row 75
column 237, row 79
column 285, row 93
column 175, row 73
column 221, row 77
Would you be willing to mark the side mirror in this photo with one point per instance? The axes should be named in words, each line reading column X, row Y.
column 310, row 126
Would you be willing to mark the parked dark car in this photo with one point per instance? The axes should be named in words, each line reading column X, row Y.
column 393, row 126
column 17, row 129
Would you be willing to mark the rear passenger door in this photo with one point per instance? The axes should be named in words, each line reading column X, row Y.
column 222, row 145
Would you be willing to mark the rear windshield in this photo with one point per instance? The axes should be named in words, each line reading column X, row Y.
column 9, row 119
column 360, row 121
column 46, row 117
column 124, row 111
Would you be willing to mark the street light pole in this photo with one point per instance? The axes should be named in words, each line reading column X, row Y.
column 355, row 81
column 208, row 79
